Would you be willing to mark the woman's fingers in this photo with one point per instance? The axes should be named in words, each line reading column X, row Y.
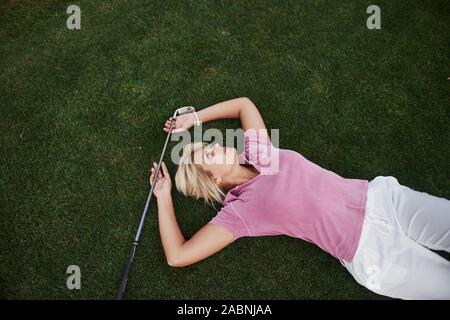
column 153, row 170
column 152, row 175
column 156, row 167
column 167, row 124
column 165, row 171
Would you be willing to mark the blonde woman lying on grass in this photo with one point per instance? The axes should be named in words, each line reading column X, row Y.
column 380, row 230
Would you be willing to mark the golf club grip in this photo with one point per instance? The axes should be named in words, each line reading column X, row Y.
column 123, row 283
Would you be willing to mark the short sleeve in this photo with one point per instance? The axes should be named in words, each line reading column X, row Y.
column 259, row 151
column 228, row 218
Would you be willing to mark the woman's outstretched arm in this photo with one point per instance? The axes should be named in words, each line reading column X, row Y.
column 242, row 108
column 179, row 252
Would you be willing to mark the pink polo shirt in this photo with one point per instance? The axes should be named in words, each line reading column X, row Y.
column 293, row 196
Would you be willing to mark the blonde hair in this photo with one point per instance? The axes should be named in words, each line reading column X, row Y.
column 192, row 180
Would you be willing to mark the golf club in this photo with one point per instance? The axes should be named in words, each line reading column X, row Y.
column 123, row 283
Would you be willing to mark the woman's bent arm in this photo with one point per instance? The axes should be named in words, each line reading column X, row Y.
column 171, row 237
column 242, row 108
column 179, row 253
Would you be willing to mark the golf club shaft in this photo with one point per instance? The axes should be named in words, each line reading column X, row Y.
column 123, row 282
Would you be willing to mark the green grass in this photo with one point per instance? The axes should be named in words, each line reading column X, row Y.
column 82, row 112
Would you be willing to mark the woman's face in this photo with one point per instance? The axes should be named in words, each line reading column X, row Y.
column 219, row 161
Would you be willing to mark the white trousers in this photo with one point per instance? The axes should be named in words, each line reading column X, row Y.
column 393, row 256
